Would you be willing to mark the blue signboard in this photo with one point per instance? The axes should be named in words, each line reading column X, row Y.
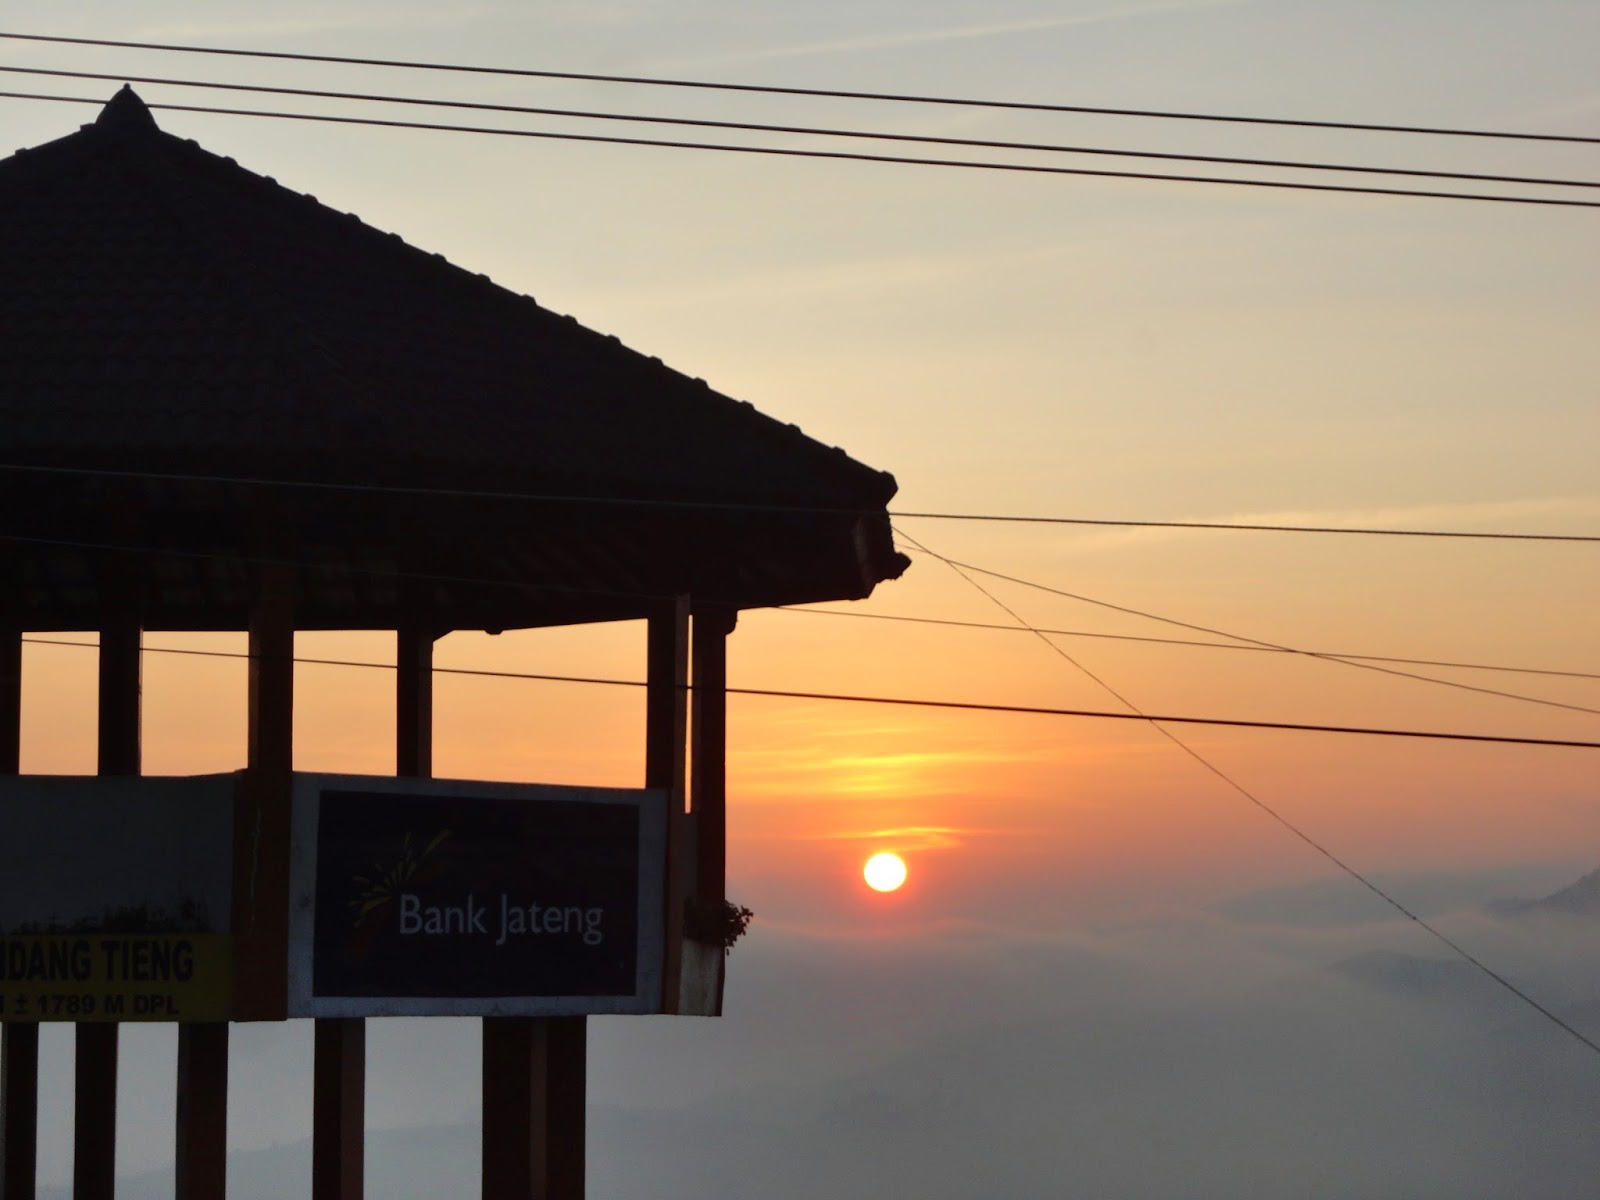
column 416, row 897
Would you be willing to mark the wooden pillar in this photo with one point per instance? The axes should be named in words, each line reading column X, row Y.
column 94, row 1126
column 10, row 699
column 666, row 747
column 200, row 1125
column 708, row 787
column 260, row 903
column 261, row 814
column 535, row 1090
column 19, row 1043
column 515, row 1148
column 701, row 970
column 338, row 1116
column 202, row 1118
column 534, row 1080
column 414, row 704
column 338, row 1137
column 19, row 1097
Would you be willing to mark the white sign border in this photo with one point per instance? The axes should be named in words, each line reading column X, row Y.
column 651, row 804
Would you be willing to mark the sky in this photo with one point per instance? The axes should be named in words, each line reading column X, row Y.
column 1110, row 971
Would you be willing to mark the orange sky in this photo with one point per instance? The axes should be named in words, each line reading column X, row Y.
column 1089, row 348
column 1047, row 817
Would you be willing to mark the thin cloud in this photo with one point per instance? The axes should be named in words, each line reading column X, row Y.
column 959, row 33
column 317, row 22
column 918, row 837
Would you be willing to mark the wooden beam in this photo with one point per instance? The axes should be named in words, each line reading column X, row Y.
column 120, row 688
column 261, row 809
column 19, row 1099
column 701, row 967
column 535, row 1085
column 271, row 707
column 566, row 1105
column 514, row 1067
column 19, row 1043
column 338, row 1137
column 94, row 1126
column 414, row 703
column 667, row 687
column 666, row 747
column 202, row 1118
column 533, row 1108
column 708, row 786
column 10, row 699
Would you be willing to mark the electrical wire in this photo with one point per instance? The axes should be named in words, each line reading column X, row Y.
column 743, row 506
column 1239, row 637
column 1160, row 641
column 807, row 130
column 1255, row 527
column 839, row 155
column 565, row 589
column 535, row 588
column 916, row 702
column 1388, row 898
column 821, row 93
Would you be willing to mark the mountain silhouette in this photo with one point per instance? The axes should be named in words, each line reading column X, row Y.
column 1579, row 899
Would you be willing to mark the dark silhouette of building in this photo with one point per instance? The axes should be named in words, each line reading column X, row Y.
column 224, row 405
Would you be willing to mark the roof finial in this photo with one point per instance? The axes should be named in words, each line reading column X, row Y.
column 125, row 111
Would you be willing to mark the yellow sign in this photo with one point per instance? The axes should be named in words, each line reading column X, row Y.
column 115, row 977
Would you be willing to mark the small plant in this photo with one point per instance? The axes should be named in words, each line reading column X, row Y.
column 716, row 925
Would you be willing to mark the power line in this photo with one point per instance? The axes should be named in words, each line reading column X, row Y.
column 915, row 702
column 1160, row 641
column 1359, row 665
column 528, row 586
column 745, row 506
column 1255, row 527
column 822, row 93
column 838, row 155
column 807, row 130
column 1438, row 934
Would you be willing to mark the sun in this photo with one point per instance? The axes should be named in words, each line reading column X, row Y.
column 884, row 872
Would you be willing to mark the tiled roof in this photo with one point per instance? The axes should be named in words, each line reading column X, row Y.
column 164, row 310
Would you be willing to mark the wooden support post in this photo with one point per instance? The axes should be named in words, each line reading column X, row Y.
column 338, row 1135
column 566, row 1105
column 119, row 699
column 708, row 787
column 261, row 811
column 533, row 1107
column 94, row 1126
column 666, row 747
column 701, row 970
column 19, row 1044
column 10, row 699
column 514, row 1070
column 202, row 1119
column 19, row 1097
column 535, row 1093
column 414, row 704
